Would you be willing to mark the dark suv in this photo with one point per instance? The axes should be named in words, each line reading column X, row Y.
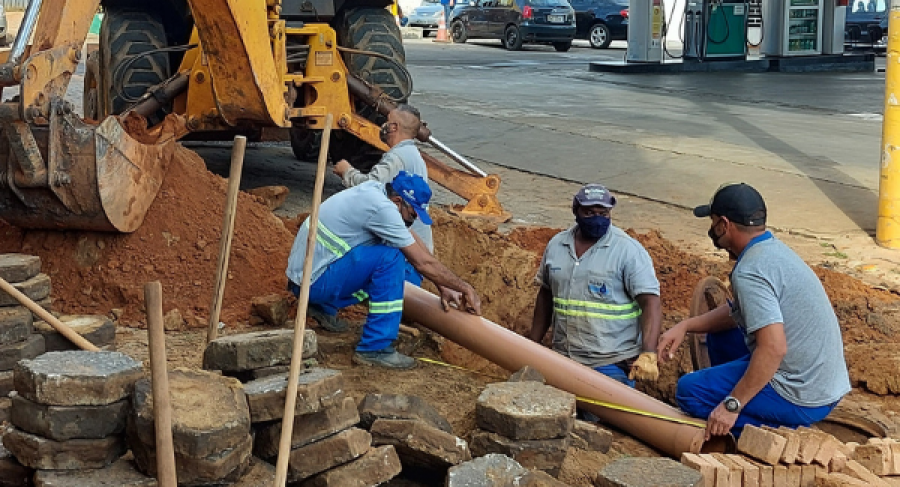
column 515, row 22
column 866, row 21
column 601, row 21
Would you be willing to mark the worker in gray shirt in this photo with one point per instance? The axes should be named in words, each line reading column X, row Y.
column 398, row 132
column 777, row 353
column 600, row 294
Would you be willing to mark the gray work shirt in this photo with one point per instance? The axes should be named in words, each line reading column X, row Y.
column 362, row 215
column 404, row 156
column 595, row 315
column 771, row 285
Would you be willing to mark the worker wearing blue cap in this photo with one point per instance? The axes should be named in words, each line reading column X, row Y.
column 599, row 292
column 362, row 245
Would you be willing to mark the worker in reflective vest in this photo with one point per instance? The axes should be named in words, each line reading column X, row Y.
column 363, row 243
column 599, row 292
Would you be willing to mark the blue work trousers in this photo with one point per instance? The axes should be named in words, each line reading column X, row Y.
column 616, row 372
column 700, row 392
column 373, row 272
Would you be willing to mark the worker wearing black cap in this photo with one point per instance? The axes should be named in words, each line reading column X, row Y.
column 776, row 349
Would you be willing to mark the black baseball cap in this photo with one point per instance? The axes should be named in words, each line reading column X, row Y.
column 739, row 203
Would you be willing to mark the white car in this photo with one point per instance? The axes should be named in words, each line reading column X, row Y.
column 427, row 15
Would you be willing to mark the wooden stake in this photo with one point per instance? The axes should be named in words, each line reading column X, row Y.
column 234, row 184
column 43, row 314
column 287, row 423
column 162, row 406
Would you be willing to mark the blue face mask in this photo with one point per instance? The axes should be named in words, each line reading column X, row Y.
column 593, row 227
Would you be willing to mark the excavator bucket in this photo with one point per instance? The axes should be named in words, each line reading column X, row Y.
column 70, row 174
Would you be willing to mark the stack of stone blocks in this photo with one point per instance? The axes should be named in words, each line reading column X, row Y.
column 68, row 416
column 18, row 338
column 802, row 457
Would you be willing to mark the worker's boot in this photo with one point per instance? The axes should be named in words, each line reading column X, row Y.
column 325, row 320
column 387, row 357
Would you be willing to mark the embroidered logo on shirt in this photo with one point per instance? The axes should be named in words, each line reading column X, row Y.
column 597, row 289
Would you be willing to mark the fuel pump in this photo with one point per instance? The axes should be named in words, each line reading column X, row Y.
column 645, row 31
column 715, row 29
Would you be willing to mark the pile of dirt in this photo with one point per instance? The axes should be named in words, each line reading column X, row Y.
column 178, row 245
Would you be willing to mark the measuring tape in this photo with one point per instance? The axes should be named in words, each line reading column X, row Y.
column 595, row 402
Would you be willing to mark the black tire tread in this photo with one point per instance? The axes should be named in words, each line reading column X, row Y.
column 125, row 33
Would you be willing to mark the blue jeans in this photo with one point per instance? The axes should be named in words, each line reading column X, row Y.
column 702, row 391
column 373, row 272
column 615, row 372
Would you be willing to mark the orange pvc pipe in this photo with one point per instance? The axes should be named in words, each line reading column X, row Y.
column 513, row 351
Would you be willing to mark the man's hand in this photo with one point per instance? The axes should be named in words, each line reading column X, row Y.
column 450, row 298
column 341, row 167
column 471, row 303
column 644, row 368
column 720, row 422
column 670, row 341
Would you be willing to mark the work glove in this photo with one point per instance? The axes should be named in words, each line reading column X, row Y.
column 644, row 368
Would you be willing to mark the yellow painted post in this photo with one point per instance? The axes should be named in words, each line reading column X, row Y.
column 887, row 229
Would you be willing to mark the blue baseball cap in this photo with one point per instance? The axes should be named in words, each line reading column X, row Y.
column 415, row 191
column 594, row 194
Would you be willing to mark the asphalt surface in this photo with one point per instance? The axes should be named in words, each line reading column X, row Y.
column 809, row 142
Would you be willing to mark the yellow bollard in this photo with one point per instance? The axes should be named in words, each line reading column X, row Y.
column 887, row 229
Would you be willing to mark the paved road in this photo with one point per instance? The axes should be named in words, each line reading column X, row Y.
column 809, row 141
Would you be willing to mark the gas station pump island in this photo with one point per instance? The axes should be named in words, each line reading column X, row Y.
column 734, row 30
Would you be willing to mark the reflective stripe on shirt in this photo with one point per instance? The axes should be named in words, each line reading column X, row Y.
column 588, row 309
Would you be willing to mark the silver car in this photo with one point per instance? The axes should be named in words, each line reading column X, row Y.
column 426, row 16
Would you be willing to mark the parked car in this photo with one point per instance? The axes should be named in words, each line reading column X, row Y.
column 601, row 21
column 427, row 15
column 866, row 21
column 515, row 22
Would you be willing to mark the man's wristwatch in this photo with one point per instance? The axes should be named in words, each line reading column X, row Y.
column 732, row 405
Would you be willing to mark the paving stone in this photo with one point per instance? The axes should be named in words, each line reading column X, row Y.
column 838, row 480
column 251, row 375
column 876, row 457
column 751, row 472
column 792, row 445
column 222, row 468
column 36, row 288
column 317, row 389
column 492, row 470
column 11, row 354
column 722, row 473
column 838, row 462
column 707, row 470
column 735, row 472
column 527, row 374
column 15, row 324
column 374, row 468
column 307, row 428
column 97, row 329
column 248, row 351
column 536, row 478
column 123, row 473
column 16, row 268
column 641, row 472
column 590, row 436
column 391, row 406
column 43, row 454
column 209, row 412
column 762, row 445
column 12, row 473
column 766, row 472
column 273, row 309
column 259, row 474
column 810, row 443
column 419, row 444
column 77, row 378
column 546, row 455
column 5, row 406
column 856, row 470
column 63, row 423
column 331, row 452
column 525, row 410
column 7, row 383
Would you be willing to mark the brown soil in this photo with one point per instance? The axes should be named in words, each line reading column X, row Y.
column 178, row 245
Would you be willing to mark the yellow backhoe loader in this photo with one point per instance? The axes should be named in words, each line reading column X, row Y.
column 199, row 69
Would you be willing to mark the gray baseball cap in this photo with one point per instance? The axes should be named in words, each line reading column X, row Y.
column 594, row 194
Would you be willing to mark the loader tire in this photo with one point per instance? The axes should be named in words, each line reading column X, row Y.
column 124, row 34
column 370, row 29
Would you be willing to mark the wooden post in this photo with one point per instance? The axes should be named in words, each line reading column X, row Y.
column 287, row 423
column 234, row 184
column 43, row 314
column 162, row 407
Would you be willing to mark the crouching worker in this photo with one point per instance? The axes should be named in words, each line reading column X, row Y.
column 600, row 293
column 362, row 245
column 776, row 351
